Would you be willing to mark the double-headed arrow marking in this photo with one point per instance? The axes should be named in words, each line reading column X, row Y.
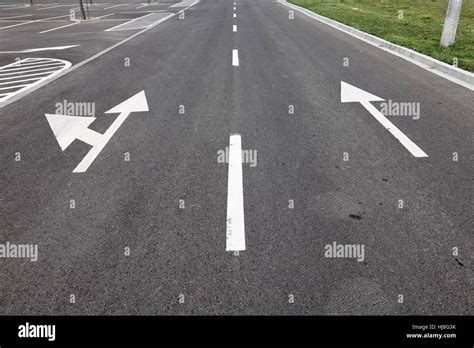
column 350, row 94
column 69, row 128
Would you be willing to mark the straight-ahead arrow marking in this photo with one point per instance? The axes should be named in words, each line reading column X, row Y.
column 350, row 94
column 136, row 103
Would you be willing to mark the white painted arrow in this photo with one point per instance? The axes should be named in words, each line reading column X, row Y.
column 66, row 129
column 351, row 94
column 69, row 128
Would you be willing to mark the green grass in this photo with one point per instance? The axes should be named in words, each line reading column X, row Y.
column 420, row 29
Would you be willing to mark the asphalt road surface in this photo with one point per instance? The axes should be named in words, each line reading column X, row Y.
column 157, row 223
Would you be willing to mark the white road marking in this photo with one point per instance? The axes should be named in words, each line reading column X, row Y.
column 33, row 62
column 27, row 75
column 234, row 8
column 233, row 16
column 351, row 94
column 12, row 8
column 35, row 21
column 16, row 25
column 44, row 82
column 234, row 28
column 47, row 8
column 57, row 28
column 2, row 75
column 235, row 226
column 134, row 25
column 142, row 6
column 182, row 3
column 235, row 57
column 28, row 67
column 15, row 17
column 41, row 49
column 66, row 129
column 16, row 81
column 12, row 87
column 110, row 14
column 131, row 21
column 18, row 86
column 107, row 8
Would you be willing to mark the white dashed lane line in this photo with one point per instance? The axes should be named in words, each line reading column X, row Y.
column 235, row 57
column 235, row 226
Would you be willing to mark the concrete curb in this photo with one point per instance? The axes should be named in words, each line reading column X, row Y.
column 451, row 73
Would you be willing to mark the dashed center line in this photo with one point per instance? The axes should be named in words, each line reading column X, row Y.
column 234, row 28
column 235, row 57
column 233, row 16
column 235, row 227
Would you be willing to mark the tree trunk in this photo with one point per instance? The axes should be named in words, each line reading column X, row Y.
column 451, row 22
column 81, row 6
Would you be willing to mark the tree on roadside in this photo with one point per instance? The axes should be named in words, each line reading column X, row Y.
column 451, row 22
column 83, row 12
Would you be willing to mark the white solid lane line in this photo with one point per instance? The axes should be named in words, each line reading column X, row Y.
column 139, row 23
column 13, row 8
column 35, row 21
column 235, row 57
column 15, row 17
column 30, row 50
column 234, row 28
column 57, row 28
column 106, row 8
column 110, row 14
column 47, row 8
column 235, row 226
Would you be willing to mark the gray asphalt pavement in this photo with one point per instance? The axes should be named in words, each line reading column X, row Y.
column 327, row 172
